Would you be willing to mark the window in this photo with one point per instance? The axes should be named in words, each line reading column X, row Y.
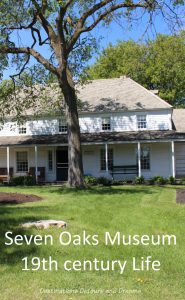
column 22, row 129
column 141, row 122
column 145, row 158
column 106, row 124
column 22, row 161
column 50, row 160
column 103, row 159
column 62, row 126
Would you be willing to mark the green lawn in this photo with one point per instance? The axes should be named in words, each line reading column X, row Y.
column 129, row 209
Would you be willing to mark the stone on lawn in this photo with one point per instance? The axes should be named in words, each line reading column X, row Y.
column 44, row 224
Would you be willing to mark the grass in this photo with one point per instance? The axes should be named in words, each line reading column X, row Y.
column 129, row 209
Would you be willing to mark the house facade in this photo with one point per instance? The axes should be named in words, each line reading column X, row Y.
column 122, row 125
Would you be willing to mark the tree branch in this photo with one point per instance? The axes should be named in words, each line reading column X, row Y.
column 30, row 51
column 45, row 23
column 80, row 25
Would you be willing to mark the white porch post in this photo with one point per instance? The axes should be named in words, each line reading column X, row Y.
column 139, row 158
column 173, row 158
column 106, row 158
column 36, row 164
column 8, row 163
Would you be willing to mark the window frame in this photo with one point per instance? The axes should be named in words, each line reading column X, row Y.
column 22, row 169
column 145, row 160
column 106, row 126
column 62, row 126
column 140, row 122
column 50, row 160
column 103, row 159
column 22, row 129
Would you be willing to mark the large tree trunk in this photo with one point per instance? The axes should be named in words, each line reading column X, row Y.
column 75, row 170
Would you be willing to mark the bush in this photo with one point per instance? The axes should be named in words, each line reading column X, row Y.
column 139, row 180
column 182, row 181
column 159, row 180
column 23, row 180
column 151, row 181
column 19, row 180
column 104, row 181
column 171, row 180
column 119, row 182
column 29, row 180
column 90, row 180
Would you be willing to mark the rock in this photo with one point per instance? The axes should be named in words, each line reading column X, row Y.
column 44, row 224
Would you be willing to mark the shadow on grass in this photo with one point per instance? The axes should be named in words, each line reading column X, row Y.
column 103, row 190
column 11, row 216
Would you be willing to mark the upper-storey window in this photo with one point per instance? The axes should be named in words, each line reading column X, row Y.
column 106, row 124
column 62, row 128
column 141, row 122
column 22, row 129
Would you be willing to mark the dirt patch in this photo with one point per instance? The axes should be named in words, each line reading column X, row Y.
column 16, row 198
column 180, row 196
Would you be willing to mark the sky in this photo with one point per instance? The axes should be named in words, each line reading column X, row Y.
column 110, row 34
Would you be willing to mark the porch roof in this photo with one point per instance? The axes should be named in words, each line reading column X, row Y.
column 93, row 138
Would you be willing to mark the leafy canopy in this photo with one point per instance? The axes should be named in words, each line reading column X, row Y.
column 157, row 64
column 42, row 38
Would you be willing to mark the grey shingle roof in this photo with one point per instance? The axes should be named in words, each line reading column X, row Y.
column 178, row 118
column 100, row 95
column 118, row 94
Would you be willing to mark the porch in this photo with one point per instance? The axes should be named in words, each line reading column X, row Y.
column 49, row 163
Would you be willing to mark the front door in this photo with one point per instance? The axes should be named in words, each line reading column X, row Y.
column 62, row 164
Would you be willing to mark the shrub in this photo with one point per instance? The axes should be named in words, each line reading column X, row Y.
column 19, row 180
column 119, row 182
column 151, row 181
column 139, row 180
column 159, row 180
column 171, row 180
column 104, row 181
column 182, row 181
column 90, row 180
column 29, row 180
column 23, row 180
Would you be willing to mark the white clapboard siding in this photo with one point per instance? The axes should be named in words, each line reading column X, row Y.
column 126, row 121
column 159, row 121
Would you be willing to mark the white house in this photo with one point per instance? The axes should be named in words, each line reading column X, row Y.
column 124, row 127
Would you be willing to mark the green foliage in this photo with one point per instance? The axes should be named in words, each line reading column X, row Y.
column 23, row 180
column 158, row 64
column 139, row 180
column 29, row 180
column 171, row 180
column 90, row 180
column 159, row 180
column 182, row 181
column 19, row 180
column 119, row 182
column 104, row 181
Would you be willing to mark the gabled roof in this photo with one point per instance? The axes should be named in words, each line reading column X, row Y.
column 101, row 95
column 118, row 94
column 178, row 119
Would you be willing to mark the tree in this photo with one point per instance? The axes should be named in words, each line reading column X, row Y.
column 165, row 67
column 157, row 64
column 64, row 26
column 126, row 58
